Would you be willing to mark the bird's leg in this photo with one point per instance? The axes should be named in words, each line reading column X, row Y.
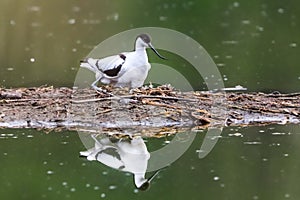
column 131, row 91
column 95, row 87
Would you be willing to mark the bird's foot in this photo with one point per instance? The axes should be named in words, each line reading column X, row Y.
column 134, row 90
column 98, row 89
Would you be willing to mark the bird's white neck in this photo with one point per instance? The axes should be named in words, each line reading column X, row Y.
column 139, row 48
column 140, row 45
column 142, row 54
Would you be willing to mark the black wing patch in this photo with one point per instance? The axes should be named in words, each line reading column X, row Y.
column 110, row 151
column 122, row 56
column 114, row 72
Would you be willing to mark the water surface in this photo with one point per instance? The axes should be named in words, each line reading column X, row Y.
column 252, row 163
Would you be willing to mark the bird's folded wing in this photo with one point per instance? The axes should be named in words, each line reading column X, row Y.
column 111, row 66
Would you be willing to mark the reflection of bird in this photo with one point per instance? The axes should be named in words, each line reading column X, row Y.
column 127, row 69
column 126, row 155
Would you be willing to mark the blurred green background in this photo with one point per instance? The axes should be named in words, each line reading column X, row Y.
column 254, row 43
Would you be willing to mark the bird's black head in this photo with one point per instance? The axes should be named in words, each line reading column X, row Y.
column 145, row 37
column 145, row 186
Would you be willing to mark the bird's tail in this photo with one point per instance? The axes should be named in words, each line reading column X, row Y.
column 89, row 63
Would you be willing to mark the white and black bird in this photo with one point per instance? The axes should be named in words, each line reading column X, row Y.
column 127, row 69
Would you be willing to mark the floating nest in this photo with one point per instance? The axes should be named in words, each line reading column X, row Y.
column 148, row 111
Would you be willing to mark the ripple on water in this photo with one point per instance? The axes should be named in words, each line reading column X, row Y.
column 236, row 135
column 229, row 42
column 274, row 145
column 8, row 136
column 252, row 143
column 277, row 133
column 293, row 45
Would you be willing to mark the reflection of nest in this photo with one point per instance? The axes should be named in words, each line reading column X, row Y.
column 138, row 131
column 148, row 111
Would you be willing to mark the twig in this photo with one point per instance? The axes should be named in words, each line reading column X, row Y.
column 133, row 96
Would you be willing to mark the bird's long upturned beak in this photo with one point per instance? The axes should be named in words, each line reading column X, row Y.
column 153, row 176
column 153, row 49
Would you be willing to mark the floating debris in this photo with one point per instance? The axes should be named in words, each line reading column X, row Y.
column 96, row 188
column 34, row 8
column 12, row 22
column 103, row 195
column 49, row 172
column 112, row 187
column 72, row 21
column 10, row 69
column 293, row 44
column 280, row 10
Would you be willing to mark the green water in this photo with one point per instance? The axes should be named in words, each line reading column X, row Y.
column 254, row 44
column 258, row 163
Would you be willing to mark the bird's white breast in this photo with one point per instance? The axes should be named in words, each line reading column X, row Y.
column 135, row 70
